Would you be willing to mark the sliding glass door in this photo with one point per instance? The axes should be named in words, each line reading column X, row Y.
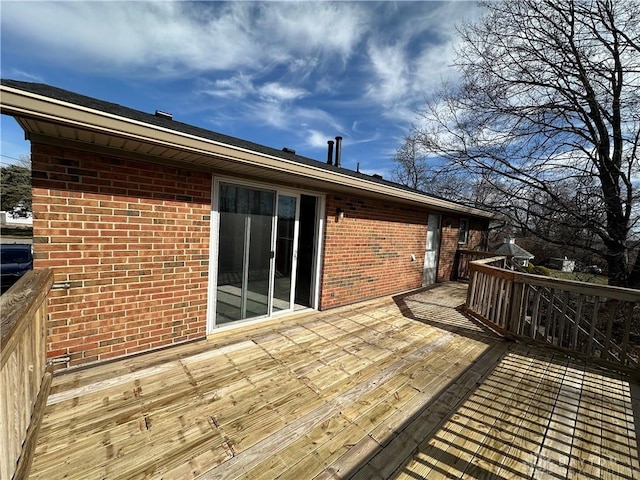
column 259, row 237
column 244, row 252
column 286, row 252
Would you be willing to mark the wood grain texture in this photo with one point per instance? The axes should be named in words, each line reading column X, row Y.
column 22, row 362
column 393, row 388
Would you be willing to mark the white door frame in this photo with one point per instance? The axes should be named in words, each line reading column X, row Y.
column 214, row 247
column 294, row 253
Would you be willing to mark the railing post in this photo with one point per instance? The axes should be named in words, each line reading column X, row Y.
column 22, row 362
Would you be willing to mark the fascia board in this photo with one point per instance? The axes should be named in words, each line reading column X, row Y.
column 20, row 103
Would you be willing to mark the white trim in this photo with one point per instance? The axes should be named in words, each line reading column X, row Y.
column 21, row 103
column 214, row 246
column 319, row 252
column 294, row 253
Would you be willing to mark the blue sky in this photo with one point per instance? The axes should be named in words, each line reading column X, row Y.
column 292, row 74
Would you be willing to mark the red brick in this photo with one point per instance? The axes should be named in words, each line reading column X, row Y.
column 94, row 229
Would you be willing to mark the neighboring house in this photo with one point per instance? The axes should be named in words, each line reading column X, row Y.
column 519, row 254
column 165, row 232
column 562, row 264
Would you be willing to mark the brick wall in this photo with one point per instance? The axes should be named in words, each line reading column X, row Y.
column 368, row 253
column 132, row 239
column 449, row 242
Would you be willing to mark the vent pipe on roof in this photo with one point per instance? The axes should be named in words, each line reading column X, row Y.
column 330, row 152
column 162, row 114
column 338, row 151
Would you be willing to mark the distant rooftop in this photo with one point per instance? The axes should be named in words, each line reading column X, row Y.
column 509, row 247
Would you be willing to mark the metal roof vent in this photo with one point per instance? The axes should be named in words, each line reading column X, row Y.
column 162, row 114
column 289, row 150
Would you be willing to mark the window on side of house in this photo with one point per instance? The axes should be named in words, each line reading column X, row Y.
column 463, row 232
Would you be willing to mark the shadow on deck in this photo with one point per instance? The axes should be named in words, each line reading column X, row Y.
column 392, row 388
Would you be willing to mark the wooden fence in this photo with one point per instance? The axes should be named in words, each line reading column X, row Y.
column 22, row 367
column 597, row 322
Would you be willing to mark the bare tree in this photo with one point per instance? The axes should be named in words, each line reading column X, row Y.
column 411, row 167
column 548, row 115
column 24, row 161
column 417, row 168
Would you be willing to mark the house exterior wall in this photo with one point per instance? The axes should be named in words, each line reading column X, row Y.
column 449, row 242
column 368, row 253
column 132, row 240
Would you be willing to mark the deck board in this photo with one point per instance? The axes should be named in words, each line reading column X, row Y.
column 404, row 387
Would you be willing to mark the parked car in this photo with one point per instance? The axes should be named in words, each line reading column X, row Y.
column 16, row 260
column 593, row 269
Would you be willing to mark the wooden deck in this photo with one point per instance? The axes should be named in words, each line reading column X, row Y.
column 394, row 388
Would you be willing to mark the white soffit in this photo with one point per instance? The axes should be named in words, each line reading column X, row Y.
column 51, row 117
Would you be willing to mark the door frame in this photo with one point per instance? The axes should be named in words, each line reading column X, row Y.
column 214, row 248
column 294, row 253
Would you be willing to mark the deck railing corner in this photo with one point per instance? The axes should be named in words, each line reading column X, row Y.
column 596, row 322
column 22, row 362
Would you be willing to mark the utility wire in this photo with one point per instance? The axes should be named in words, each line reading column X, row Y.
column 12, row 158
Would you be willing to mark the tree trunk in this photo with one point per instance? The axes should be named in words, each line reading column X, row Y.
column 634, row 276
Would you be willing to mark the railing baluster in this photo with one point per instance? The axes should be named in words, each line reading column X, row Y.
column 624, row 356
column 551, row 311
column 497, row 317
column 506, row 304
column 491, row 297
column 576, row 325
column 592, row 327
column 609, row 315
column 551, row 317
column 483, row 295
column 534, row 313
column 563, row 316
column 521, row 304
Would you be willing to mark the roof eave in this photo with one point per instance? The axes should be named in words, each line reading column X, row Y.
column 20, row 103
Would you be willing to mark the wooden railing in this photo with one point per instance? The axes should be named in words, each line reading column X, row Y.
column 22, row 367
column 598, row 322
column 464, row 257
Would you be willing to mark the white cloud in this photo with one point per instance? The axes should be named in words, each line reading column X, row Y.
column 413, row 64
column 164, row 37
column 314, row 26
column 274, row 91
column 316, row 139
column 391, row 70
column 22, row 75
column 238, row 86
column 293, row 118
column 175, row 38
column 386, row 173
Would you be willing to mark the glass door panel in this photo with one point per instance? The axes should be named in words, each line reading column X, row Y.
column 285, row 253
column 244, row 252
